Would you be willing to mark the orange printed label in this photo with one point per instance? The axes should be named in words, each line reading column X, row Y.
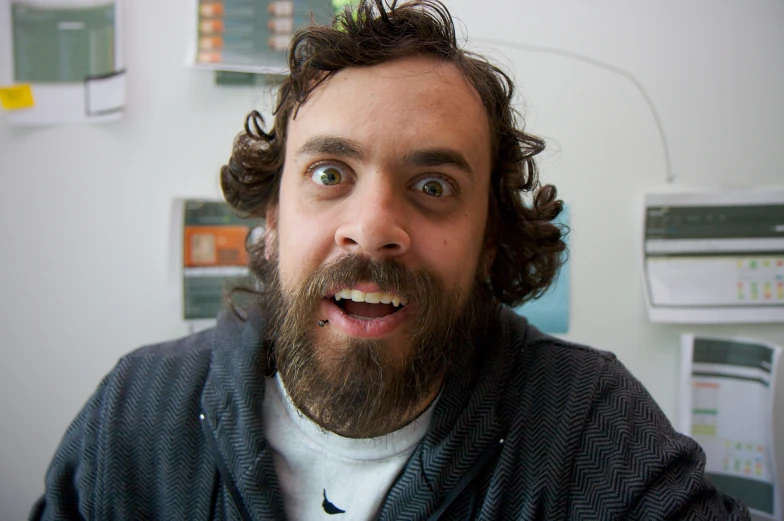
column 215, row 246
column 208, row 9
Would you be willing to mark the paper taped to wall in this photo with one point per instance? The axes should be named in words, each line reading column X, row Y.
column 251, row 35
column 715, row 258
column 727, row 393
column 69, row 53
column 17, row 97
column 213, row 255
column 550, row 312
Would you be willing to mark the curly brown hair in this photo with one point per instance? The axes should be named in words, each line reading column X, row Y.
column 528, row 246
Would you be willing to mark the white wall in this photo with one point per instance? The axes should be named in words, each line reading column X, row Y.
column 84, row 211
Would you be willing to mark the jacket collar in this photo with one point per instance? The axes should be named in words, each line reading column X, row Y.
column 232, row 405
column 465, row 422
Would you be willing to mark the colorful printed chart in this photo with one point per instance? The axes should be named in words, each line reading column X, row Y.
column 67, row 62
column 253, row 35
column 715, row 257
column 727, row 407
column 214, row 256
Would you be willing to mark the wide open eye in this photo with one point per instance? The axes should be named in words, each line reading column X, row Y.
column 327, row 175
column 434, row 187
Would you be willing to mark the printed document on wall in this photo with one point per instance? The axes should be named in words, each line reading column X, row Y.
column 251, row 35
column 67, row 61
column 727, row 407
column 209, row 241
column 715, row 257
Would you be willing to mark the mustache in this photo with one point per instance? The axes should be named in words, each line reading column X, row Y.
column 390, row 275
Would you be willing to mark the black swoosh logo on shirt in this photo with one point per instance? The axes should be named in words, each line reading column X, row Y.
column 329, row 508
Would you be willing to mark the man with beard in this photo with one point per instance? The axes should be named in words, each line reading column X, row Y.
column 377, row 373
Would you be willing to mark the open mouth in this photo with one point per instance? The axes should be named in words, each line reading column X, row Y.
column 368, row 306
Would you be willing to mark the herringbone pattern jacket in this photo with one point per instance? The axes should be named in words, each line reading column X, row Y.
column 538, row 429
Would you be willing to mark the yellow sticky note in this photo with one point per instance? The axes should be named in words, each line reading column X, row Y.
column 17, row 97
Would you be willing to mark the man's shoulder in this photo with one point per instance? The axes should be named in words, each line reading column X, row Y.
column 157, row 378
column 194, row 345
column 526, row 342
column 545, row 370
column 179, row 355
column 140, row 426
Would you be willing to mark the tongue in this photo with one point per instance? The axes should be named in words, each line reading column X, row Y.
column 363, row 309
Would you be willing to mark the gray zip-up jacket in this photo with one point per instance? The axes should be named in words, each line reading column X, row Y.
column 537, row 428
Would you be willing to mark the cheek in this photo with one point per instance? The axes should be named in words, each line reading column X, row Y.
column 304, row 242
column 454, row 252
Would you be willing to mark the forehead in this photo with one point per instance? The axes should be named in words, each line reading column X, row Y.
column 398, row 105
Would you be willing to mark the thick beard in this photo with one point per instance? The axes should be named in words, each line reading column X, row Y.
column 359, row 389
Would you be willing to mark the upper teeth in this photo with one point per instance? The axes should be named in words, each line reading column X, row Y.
column 370, row 298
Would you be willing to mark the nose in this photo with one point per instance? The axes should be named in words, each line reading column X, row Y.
column 374, row 223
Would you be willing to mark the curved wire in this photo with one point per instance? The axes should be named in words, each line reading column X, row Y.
column 606, row 66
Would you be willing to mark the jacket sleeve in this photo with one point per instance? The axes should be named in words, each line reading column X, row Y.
column 72, row 477
column 634, row 465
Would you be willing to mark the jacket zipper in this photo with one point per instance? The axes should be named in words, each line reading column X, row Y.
column 224, row 470
column 487, row 455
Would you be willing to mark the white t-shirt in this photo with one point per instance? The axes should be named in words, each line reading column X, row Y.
column 325, row 476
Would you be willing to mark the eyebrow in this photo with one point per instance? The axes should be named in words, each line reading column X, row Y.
column 332, row 145
column 438, row 157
